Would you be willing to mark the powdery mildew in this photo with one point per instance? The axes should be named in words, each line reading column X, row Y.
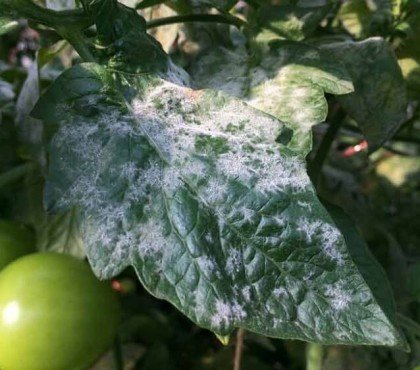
column 222, row 153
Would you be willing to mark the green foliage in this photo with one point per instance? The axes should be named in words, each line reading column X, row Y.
column 197, row 176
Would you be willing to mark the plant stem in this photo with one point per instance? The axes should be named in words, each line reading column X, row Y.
column 314, row 356
column 118, row 354
column 15, row 174
column 317, row 163
column 215, row 18
column 65, row 18
column 239, row 348
column 75, row 38
column 409, row 324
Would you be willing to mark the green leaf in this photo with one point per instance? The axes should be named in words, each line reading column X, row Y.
column 30, row 129
column 414, row 280
column 289, row 82
column 355, row 16
column 126, row 46
column 409, row 53
column 7, row 25
column 6, row 93
column 60, row 4
column 371, row 270
column 379, row 101
column 219, row 4
column 149, row 3
column 192, row 189
column 290, row 21
column 363, row 18
column 60, row 233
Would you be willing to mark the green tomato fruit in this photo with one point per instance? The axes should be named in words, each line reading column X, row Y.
column 54, row 314
column 15, row 241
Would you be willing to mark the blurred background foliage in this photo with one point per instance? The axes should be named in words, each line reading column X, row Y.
column 380, row 190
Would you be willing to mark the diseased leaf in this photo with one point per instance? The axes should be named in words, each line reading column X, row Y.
column 192, row 189
column 60, row 4
column 372, row 272
column 290, row 21
column 289, row 82
column 379, row 101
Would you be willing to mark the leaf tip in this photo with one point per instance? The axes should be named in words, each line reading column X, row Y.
column 224, row 339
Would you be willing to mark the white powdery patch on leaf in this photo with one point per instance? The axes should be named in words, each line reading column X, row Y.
column 209, row 266
column 246, row 293
column 331, row 238
column 280, row 292
column 234, row 261
column 232, row 78
column 152, row 239
column 339, row 298
column 324, row 234
column 173, row 118
column 227, row 313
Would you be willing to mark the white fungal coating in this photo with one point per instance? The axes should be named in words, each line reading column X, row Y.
column 130, row 169
column 227, row 312
column 339, row 298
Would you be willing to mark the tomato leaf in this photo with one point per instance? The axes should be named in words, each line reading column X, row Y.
column 6, row 93
column 290, row 21
column 7, row 25
column 371, row 270
column 60, row 233
column 379, row 102
column 290, row 82
column 191, row 188
column 125, row 44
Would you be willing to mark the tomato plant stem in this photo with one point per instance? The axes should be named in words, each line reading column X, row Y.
column 214, row 18
column 75, row 38
column 409, row 324
column 239, row 348
column 317, row 163
column 15, row 174
column 118, row 354
column 314, row 356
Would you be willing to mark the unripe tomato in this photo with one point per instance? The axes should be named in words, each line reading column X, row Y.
column 54, row 314
column 15, row 241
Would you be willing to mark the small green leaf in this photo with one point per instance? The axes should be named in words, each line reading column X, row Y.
column 125, row 44
column 224, row 339
column 60, row 233
column 289, row 21
column 149, row 3
column 7, row 25
column 379, row 101
column 363, row 18
column 355, row 16
column 192, row 189
column 219, row 4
